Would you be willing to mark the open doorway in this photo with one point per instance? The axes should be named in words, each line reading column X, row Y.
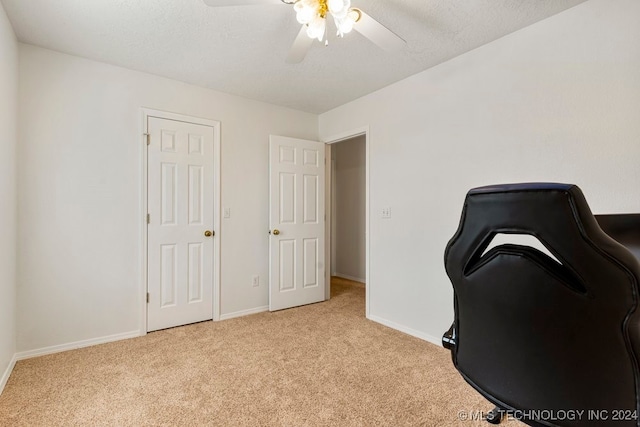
column 349, row 210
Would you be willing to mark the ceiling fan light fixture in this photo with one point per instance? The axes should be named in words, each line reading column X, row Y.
column 305, row 11
column 316, row 28
column 345, row 24
column 338, row 7
column 313, row 14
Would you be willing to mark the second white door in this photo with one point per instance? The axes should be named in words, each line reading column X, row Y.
column 297, row 217
column 180, row 226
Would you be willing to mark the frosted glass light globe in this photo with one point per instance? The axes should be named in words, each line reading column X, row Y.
column 335, row 6
column 344, row 25
column 304, row 13
column 316, row 28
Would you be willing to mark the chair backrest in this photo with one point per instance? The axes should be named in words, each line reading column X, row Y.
column 538, row 333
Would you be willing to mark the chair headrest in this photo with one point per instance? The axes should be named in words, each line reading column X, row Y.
column 525, row 186
column 556, row 214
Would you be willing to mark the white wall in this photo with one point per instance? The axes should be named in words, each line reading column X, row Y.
column 8, row 201
column 557, row 101
column 79, row 193
column 348, row 216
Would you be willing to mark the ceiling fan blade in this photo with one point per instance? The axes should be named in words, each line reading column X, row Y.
column 225, row 3
column 378, row 33
column 300, row 47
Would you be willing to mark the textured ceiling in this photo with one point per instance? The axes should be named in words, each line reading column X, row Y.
column 242, row 50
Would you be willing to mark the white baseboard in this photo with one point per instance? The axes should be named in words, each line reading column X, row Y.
column 7, row 373
column 244, row 312
column 75, row 345
column 408, row 331
column 346, row 276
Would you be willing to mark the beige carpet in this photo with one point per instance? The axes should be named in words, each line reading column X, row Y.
column 319, row 365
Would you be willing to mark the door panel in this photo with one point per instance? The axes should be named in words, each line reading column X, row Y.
column 196, row 267
column 310, row 262
column 181, row 209
column 297, row 179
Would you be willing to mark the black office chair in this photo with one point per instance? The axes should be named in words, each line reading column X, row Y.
column 541, row 338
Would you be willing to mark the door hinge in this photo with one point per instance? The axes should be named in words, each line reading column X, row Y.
column 148, row 135
column 147, row 297
column 148, row 218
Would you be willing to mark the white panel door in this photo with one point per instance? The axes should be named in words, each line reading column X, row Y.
column 297, row 221
column 181, row 215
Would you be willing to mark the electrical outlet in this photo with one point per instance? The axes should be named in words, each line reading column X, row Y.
column 255, row 281
column 386, row 212
column 227, row 212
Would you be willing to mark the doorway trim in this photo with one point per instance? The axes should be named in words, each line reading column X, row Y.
column 343, row 136
column 146, row 113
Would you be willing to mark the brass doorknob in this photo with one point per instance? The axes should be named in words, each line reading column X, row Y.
column 276, row 232
column 208, row 233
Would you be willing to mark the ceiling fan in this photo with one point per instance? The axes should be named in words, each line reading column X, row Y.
column 313, row 14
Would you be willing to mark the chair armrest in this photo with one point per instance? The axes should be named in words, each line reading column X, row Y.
column 449, row 338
